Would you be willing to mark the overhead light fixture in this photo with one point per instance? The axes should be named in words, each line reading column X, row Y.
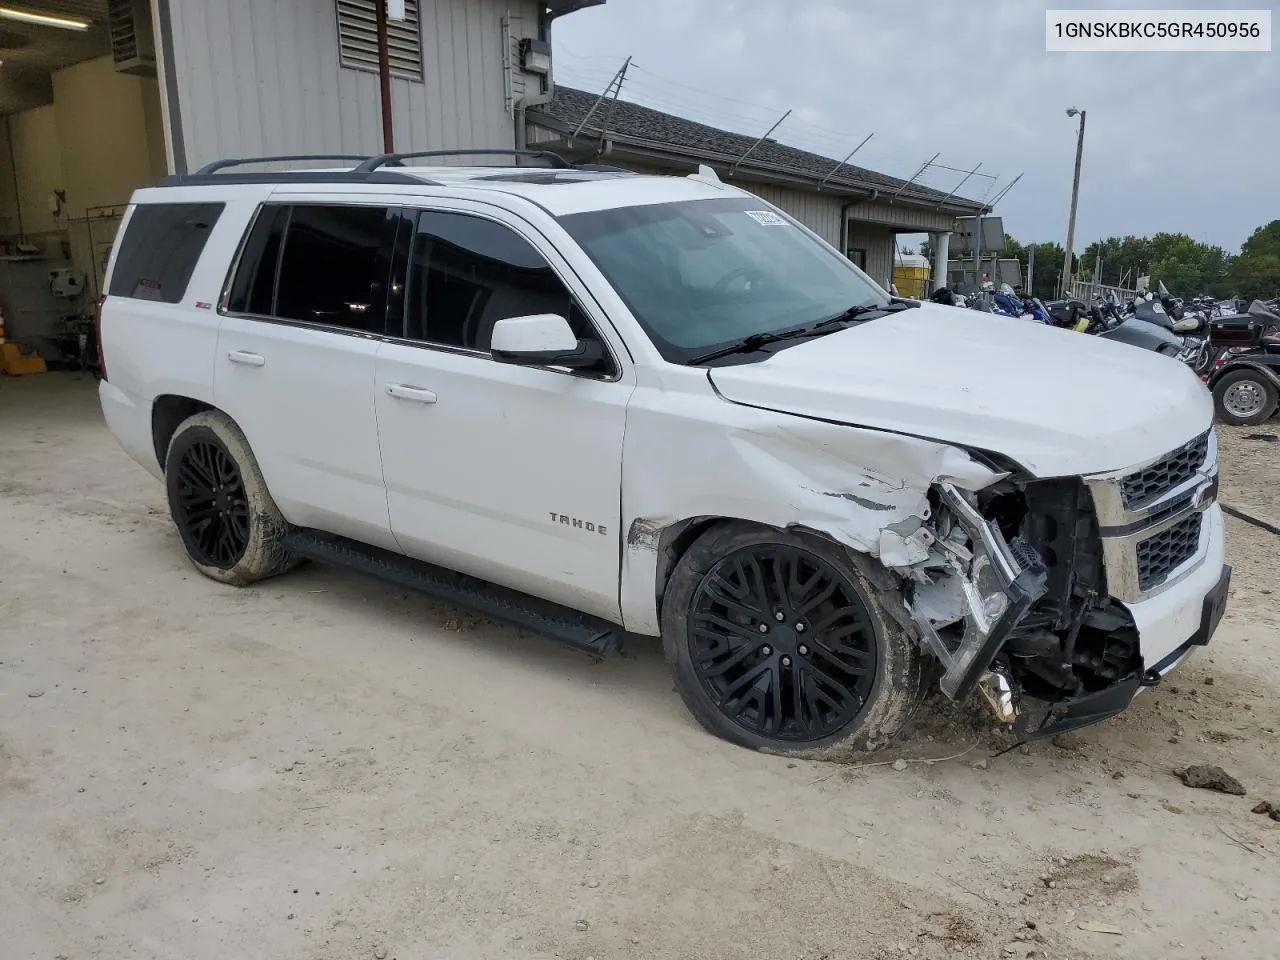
column 43, row 19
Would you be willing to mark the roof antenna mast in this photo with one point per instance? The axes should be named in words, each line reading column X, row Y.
column 611, row 92
column 845, row 160
column 752, row 148
column 923, row 167
column 956, row 188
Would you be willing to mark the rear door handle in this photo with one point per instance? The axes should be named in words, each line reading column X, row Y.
column 248, row 359
column 402, row 391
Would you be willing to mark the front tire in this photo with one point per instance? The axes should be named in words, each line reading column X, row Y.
column 230, row 526
column 1245, row 397
column 778, row 643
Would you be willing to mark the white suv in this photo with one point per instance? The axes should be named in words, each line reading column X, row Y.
column 592, row 402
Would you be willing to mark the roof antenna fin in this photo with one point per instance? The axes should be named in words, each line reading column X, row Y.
column 707, row 175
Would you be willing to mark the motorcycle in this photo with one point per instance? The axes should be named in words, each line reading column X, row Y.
column 1008, row 303
column 1245, row 378
column 948, row 297
column 1190, row 326
column 1109, row 321
column 1069, row 314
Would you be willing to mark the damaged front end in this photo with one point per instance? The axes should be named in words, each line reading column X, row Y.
column 1008, row 591
column 990, row 587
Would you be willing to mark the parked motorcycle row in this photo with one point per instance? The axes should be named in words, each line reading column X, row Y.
column 1235, row 351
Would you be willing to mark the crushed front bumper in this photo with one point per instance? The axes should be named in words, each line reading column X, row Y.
column 1067, row 715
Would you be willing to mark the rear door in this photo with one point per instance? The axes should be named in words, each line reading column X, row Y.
column 295, row 360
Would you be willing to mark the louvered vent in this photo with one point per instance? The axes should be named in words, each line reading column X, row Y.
column 358, row 38
column 132, row 39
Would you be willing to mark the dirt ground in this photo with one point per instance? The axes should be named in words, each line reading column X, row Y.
column 322, row 767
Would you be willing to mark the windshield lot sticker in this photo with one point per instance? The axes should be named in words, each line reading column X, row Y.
column 766, row 218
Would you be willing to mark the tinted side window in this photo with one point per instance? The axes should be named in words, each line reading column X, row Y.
column 160, row 248
column 254, row 288
column 334, row 266
column 467, row 273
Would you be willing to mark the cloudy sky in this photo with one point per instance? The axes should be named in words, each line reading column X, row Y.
column 1184, row 142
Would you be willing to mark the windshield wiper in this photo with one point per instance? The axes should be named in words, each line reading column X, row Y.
column 861, row 310
column 755, row 342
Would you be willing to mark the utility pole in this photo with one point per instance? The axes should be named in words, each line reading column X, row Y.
column 1075, row 195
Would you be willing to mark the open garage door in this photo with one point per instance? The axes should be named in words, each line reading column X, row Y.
column 82, row 125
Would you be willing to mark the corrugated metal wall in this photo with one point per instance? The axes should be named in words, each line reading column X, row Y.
column 819, row 213
column 878, row 242
column 261, row 77
column 907, row 219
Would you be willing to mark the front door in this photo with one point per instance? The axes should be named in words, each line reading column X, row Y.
column 508, row 473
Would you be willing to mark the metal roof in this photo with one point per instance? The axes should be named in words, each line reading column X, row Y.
column 664, row 134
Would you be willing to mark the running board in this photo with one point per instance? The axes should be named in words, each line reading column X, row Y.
column 578, row 630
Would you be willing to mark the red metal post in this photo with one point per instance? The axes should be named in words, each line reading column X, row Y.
column 384, row 76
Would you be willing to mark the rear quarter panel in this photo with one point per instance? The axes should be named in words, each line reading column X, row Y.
column 151, row 349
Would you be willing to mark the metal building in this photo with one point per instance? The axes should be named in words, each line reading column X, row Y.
column 253, row 78
column 856, row 210
column 100, row 97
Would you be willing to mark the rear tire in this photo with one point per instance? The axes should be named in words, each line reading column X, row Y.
column 230, row 526
column 777, row 642
column 1245, row 397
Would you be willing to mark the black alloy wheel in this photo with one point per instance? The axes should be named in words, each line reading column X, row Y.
column 211, row 507
column 782, row 643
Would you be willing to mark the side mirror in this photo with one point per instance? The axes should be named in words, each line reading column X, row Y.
column 542, row 340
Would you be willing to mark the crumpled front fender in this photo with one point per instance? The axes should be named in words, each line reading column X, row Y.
column 864, row 488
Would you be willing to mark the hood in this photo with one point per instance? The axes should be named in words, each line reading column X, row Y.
column 1059, row 403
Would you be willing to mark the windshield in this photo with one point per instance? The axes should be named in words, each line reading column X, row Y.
column 698, row 274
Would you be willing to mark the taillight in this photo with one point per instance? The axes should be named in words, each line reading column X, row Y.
column 97, row 335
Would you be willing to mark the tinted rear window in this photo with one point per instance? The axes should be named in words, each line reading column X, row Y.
column 160, row 248
column 317, row 263
column 254, row 288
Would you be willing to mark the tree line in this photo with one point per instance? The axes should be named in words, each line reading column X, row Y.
column 1186, row 266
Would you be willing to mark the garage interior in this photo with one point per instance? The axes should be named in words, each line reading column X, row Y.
column 81, row 127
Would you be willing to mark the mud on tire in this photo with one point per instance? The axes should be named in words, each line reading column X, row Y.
column 778, row 642
column 229, row 524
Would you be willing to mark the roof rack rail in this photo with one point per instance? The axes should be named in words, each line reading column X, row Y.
column 211, row 173
column 294, row 176
column 371, row 164
column 601, row 168
column 217, row 165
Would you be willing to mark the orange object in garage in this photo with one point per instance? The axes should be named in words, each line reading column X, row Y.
column 12, row 360
column 15, row 363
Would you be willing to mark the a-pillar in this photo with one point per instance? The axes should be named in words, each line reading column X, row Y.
column 941, row 253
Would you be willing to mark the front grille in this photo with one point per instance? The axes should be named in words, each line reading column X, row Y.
column 1178, row 467
column 1160, row 555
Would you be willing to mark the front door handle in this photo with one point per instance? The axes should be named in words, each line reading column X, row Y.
column 247, row 358
column 402, row 391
